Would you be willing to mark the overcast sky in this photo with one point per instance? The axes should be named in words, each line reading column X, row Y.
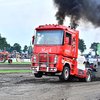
column 19, row 18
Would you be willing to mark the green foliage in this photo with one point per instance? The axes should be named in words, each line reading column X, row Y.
column 7, row 47
column 81, row 45
column 3, row 43
column 25, row 48
column 17, row 47
column 94, row 47
column 30, row 49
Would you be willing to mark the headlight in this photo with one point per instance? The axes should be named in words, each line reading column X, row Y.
column 34, row 58
column 55, row 59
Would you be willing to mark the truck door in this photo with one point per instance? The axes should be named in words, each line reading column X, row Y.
column 67, row 47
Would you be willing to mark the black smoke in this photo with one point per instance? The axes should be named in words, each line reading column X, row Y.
column 87, row 10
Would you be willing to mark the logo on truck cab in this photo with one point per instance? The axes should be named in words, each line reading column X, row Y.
column 46, row 50
column 67, row 51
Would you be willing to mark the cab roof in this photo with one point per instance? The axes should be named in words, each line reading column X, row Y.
column 55, row 27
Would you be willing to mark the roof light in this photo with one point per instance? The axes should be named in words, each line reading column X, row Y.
column 57, row 25
column 41, row 26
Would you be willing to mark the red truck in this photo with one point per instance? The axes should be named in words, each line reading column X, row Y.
column 56, row 53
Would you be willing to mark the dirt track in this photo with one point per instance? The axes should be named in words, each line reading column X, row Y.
column 24, row 86
column 15, row 67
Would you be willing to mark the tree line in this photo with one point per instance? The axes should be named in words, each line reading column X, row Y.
column 7, row 47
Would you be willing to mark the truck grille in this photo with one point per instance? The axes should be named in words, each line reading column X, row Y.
column 44, row 62
column 43, row 58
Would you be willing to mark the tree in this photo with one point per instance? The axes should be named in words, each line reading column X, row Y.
column 3, row 43
column 25, row 48
column 94, row 47
column 30, row 49
column 5, row 46
column 17, row 47
column 81, row 45
column 9, row 48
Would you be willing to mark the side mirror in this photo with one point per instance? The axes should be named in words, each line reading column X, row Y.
column 33, row 38
column 67, row 40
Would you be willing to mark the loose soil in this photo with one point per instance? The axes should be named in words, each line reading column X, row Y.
column 24, row 86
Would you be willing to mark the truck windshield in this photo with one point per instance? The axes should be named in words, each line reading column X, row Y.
column 49, row 37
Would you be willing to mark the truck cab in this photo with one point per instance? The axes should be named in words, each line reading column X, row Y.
column 56, row 51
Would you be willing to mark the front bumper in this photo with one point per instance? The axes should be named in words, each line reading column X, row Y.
column 44, row 62
column 43, row 69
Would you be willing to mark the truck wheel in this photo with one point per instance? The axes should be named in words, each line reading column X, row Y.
column 65, row 74
column 88, row 76
column 38, row 75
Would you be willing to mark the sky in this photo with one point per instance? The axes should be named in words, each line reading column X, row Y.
column 19, row 18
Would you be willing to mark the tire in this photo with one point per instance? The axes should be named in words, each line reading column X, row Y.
column 38, row 75
column 9, row 60
column 88, row 76
column 3, row 59
column 65, row 74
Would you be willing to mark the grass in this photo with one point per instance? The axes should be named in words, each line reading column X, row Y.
column 15, row 71
column 6, row 63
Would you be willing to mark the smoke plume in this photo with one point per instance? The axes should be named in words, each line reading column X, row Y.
column 88, row 10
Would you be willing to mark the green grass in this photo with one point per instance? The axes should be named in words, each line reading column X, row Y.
column 15, row 71
column 15, row 63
